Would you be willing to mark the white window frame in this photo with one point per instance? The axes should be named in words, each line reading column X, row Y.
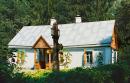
column 114, row 56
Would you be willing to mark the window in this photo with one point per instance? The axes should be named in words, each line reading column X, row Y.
column 21, row 56
column 38, row 55
column 99, row 58
column 114, row 56
column 93, row 58
column 89, row 57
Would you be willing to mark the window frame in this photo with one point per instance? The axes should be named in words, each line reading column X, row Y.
column 89, row 56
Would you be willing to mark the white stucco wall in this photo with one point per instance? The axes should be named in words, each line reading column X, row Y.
column 108, row 55
column 76, row 59
column 29, row 59
column 77, row 56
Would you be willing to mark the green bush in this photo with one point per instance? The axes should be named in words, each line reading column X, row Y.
column 114, row 73
column 5, row 72
column 32, row 76
column 118, row 73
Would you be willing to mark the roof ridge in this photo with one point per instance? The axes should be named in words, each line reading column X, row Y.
column 70, row 23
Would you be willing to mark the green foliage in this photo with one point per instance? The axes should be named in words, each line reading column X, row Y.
column 6, row 72
column 123, row 30
column 14, row 14
column 119, row 73
column 65, row 58
column 100, row 59
column 116, row 73
column 123, row 23
column 36, row 76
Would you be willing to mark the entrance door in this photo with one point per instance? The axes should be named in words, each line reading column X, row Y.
column 40, row 53
column 41, row 58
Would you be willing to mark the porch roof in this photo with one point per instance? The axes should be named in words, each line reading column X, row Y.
column 71, row 35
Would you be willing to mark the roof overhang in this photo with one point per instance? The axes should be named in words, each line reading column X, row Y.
column 69, row 46
column 18, row 46
column 87, row 45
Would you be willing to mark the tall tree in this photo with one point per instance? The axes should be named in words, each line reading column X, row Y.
column 93, row 10
column 123, row 30
column 14, row 14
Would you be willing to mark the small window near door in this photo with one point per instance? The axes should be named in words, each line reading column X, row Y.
column 89, row 57
column 21, row 56
column 114, row 56
column 38, row 55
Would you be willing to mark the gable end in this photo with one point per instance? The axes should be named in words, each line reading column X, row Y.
column 41, row 43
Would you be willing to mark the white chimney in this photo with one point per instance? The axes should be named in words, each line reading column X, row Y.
column 78, row 19
column 52, row 21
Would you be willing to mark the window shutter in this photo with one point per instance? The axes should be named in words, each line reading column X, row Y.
column 22, row 57
column 85, row 56
column 92, row 57
column 18, row 56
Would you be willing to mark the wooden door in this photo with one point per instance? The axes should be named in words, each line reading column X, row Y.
column 40, row 59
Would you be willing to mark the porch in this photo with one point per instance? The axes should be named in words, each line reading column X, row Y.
column 42, row 58
column 42, row 54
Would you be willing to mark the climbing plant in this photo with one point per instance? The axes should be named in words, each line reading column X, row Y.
column 100, row 59
column 21, row 56
column 65, row 58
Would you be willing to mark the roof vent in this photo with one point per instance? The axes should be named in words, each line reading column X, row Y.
column 78, row 19
column 52, row 21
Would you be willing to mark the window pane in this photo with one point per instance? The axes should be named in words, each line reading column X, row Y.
column 89, row 57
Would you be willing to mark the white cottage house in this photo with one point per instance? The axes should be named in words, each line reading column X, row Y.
column 87, row 44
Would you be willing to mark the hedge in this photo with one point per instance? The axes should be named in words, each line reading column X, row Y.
column 116, row 73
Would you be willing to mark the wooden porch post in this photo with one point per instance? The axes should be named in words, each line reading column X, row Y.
column 49, row 52
column 85, row 57
column 49, row 60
